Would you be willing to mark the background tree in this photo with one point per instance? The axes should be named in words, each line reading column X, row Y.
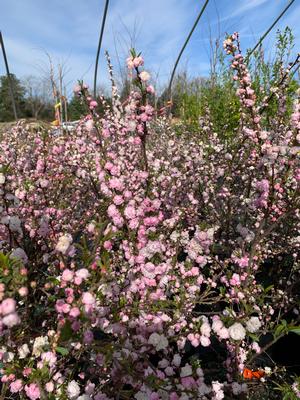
column 76, row 108
column 39, row 103
column 6, row 110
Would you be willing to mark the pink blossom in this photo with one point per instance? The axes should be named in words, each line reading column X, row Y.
column 88, row 298
column 235, row 280
column 82, row 273
column 88, row 337
column 11, row 320
column 59, row 306
column 77, row 89
column 145, row 76
column 130, row 63
column 32, row 391
column 93, row 104
column 138, row 61
column 129, row 212
column 150, row 89
column 67, row 275
column 74, row 312
column 8, row 306
column 49, row 358
column 263, row 185
column 23, row 291
column 89, row 125
column 118, row 200
column 188, row 382
column 16, row 386
column 204, row 341
column 49, row 387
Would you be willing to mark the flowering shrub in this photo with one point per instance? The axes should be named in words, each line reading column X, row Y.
column 133, row 256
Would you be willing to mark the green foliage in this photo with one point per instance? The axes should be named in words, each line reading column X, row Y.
column 28, row 105
column 289, row 391
column 199, row 97
column 223, row 107
column 66, row 332
column 62, row 350
column 267, row 74
column 6, row 110
column 215, row 98
column 295, row 329
column 76, row 108
column 10, row 274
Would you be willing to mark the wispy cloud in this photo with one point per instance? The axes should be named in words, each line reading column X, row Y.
column 247, row 6
column 68, row 30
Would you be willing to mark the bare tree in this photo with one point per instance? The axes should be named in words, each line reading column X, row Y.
column 55, row 76
column 38, row 94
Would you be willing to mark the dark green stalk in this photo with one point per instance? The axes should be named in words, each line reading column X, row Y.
column 270, row 28
column 184, row 46
column 99, row 45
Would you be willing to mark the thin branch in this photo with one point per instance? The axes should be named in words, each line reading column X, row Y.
column 282, row 80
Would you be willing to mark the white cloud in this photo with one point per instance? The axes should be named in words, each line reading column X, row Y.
column 244, row 6
column 69, row 31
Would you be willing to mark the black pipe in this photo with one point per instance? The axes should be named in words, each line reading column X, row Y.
column 99, row 46
column 9, row 78
column 270, row 28
column 184, row 46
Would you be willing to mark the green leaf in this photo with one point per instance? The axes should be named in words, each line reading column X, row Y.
column 253, row 337
column 295, row 329
column 66, row 332
column 267, row 289
column 133, row 52
column 279, row 330
column 62, row 350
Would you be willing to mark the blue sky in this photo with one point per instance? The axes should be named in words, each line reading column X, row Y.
column 68, row 30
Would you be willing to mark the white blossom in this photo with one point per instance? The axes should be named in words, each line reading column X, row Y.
column 73, row 390
column 176, row 360
column 7, row 356
column 64, row 243
column 38, row 345
column 253, row 324
column 237, row 331
column 186, row 371
column 23, row 351
column 203, row 389
column 205, row 329
column 268, row 370
column 145, row 76
column 160, row 342
column 15, row 224
column 2, row 178
column 141, row 396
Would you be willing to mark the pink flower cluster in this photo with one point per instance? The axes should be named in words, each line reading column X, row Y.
column 127, row 249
